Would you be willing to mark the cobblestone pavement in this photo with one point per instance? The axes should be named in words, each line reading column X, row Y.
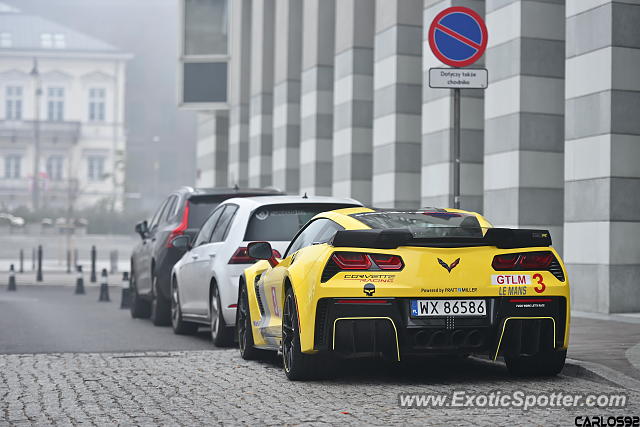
column 218, row 387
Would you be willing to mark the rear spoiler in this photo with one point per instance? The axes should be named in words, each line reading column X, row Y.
column 503, row 238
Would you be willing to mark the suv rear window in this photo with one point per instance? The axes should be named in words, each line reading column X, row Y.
column 200, row 208
column 282, row 222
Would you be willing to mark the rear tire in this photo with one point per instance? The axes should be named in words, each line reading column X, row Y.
column 543, row 364
column 138, row 307
column 180, row 327
column 160, row 306
column 245, row 331
column 297, row 365
column 221, row 334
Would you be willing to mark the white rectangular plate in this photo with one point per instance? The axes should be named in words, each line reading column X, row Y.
column 448, row 307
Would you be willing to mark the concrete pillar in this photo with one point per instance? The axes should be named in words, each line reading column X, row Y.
column 397, row 103
column 437, row 128
column 212, row 149
column 524, row 115
column 353, row 100
column 240, row 78
column 286, row 96
column 316, row 107
column 602, row 155
column 261, row 104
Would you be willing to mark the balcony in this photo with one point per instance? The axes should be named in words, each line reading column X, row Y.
column 53, row 133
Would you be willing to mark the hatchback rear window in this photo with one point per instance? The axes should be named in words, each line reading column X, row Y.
column 282, row 222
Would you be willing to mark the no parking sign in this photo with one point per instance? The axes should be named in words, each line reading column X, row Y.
column 458, row 38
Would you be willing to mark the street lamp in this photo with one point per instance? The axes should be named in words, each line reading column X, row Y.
column 35, row 74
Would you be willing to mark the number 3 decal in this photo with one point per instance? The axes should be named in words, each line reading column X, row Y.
column 538, row 277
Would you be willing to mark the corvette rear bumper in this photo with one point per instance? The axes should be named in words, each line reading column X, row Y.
column 353, row 327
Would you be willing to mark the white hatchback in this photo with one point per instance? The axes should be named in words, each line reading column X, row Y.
column 204, row 282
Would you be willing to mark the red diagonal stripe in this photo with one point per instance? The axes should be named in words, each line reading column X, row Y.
column 457, row 36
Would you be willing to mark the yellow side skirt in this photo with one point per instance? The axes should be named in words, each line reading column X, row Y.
column 395, row 330
column 504, row 325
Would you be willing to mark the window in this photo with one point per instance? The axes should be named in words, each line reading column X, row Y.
column 48, row 40
column 280, row 223
column 55, row 104
column 318, row 231
column 206, row 28
column 207, row 228
column 13, row 103
column 153, row 222
column 95, row 171
column 12, row 166
column 54, row 167
column 96, row 105
column 6, row 40
column 220, row 231
column 171, row 208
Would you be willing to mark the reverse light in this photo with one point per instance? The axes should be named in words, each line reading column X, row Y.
column 241, row 256
column 179, row 230
column 387, row 262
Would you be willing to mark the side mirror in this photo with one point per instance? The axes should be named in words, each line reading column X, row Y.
column 142, row 228
column 182, row 242
column 262, row 250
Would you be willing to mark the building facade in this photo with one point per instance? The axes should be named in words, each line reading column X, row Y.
column 61, row 117
column 553, row 142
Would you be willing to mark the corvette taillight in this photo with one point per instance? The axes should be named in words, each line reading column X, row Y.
column 523, row 261
column 351, row 260
column 387, row 262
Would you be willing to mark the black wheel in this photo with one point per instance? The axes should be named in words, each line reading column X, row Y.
column 544, row 364
column 297, row 365
column 243, row 327
column 180, row 327
column 138, row 307
column 221, row 334
column 160, row 306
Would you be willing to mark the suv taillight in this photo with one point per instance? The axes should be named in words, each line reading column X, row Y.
column 523, row 261
column 179, row 230
column 241, row 256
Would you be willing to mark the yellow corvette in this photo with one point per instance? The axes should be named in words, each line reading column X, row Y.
column 396, row 283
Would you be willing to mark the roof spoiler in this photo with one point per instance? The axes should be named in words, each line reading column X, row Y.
column 503, row 238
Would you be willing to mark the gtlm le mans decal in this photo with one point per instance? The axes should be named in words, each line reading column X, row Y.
column 448, row 267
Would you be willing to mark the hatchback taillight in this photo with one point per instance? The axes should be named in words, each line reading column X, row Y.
column 179, row 230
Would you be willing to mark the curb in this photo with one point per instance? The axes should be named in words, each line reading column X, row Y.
column 599, row 373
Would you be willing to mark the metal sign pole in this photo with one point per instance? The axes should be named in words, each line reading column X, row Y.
column 456, row 148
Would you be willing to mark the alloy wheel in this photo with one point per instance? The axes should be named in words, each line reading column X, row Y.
column 288, row 332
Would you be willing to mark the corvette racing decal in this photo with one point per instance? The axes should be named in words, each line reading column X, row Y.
column 375, row 278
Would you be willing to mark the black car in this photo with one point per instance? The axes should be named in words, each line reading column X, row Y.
column 182, row 212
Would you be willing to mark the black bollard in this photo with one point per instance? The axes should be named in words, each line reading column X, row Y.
column 104, row 287
column 12, row 279
column 39, row 272
column 79, row 282
column 124, row 303
column 93, row 278
column 21, row 260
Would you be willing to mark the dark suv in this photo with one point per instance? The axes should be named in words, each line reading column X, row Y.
column 182, row 212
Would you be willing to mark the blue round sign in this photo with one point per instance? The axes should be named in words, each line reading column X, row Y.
column 458, row 36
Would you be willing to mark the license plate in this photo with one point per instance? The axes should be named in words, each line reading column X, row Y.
column 448, row 307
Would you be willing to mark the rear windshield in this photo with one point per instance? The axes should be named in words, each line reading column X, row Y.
column 427, row 223
column 200, row 209
column 282, row 222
